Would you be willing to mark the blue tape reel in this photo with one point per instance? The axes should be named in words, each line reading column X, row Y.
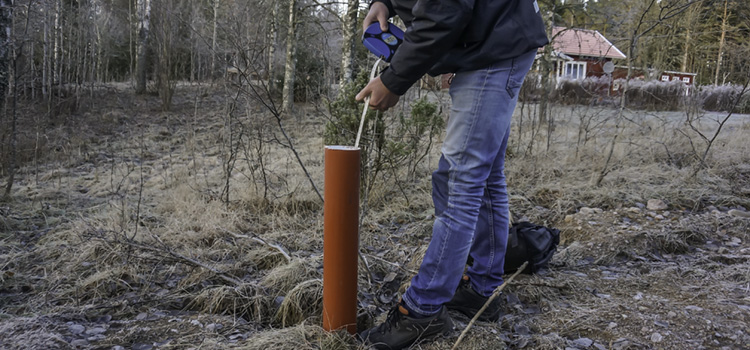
column 383, row 44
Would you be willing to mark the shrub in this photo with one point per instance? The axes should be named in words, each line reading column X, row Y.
column 723, row 98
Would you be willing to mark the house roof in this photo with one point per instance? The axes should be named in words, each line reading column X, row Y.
column 583, row 42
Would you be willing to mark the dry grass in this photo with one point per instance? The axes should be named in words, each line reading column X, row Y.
column 138, row 225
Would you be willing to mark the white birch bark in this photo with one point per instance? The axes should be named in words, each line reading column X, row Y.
column 213, row 38
column 273, row 35
column 6, row 23
column 721, row 43
column 291, row 58
column 347, row 46
column 143, row 12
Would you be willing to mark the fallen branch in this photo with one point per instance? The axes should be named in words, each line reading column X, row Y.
column 487, row 303
column 257, row 238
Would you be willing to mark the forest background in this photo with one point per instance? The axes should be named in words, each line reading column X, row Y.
column 162, row 168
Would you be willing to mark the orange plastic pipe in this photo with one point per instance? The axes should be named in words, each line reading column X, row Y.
column 340, row 238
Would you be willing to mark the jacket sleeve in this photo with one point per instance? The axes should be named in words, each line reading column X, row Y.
column 436, row 28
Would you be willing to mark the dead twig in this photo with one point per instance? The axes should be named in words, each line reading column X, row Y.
column 257, row 238
column 486, row 304
column 184, row 259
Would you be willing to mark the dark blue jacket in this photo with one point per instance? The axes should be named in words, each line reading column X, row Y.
column 448, row 36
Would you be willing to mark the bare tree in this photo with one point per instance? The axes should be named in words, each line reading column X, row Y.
column 350, row 29
column 6, row 21
column 144, row 24
column 287, row 104
column 721, row 43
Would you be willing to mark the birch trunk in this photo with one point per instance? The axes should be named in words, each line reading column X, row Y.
column 144, row 24
column 721, row 43
column 290, row 65
column 6, row 15
column 347, row 48
column 6, row 48
column 273, row 35
column 213, row 39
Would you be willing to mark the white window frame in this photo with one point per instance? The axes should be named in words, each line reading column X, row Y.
column 686, row 80
column 665, row 78
column 580, row 72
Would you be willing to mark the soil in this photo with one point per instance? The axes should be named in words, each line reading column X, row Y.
column 123, row 232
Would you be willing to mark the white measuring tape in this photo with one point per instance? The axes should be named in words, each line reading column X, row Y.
column 367, row 104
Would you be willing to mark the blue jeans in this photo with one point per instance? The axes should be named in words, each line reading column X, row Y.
column 468, row 188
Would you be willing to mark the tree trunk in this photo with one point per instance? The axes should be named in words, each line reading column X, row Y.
column 6, row 32
column 350, row 29
column 213, row 38
column 144, row 23
column 6, row 15
column 273, row 34
column 721, row 43
column 291, row 58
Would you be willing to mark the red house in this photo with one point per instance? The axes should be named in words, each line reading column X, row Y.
column 581, row 53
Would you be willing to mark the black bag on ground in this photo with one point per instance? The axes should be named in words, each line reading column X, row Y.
column 533, row 243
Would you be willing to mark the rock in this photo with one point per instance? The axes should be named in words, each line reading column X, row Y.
column 600, row 346
column 117, row 347
column 589, row 211
column 95, row 330
column 656, row 204
column 671, row 314
column 633, row 210
column 79, row 343
column 693, row 308
column 76, row 328
column 621, row 344
column 583, row 342
column 196, row 323
column 569, row 219
column 656, row 337
column 638, row 296
column 612, row 325
column 739, row 214
column 659, row 217
column 640, row 205
column 97, row 337
column 212, row 327
column 141, row 346
column 141, row 316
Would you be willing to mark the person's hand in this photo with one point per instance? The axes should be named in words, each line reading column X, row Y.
column 378, row 12
column 380, row 97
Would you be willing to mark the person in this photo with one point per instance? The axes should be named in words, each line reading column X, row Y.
column 489, row 45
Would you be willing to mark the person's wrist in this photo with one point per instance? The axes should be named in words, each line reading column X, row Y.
column 385, row 3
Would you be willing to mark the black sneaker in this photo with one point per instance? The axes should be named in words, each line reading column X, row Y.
column 468, row 302
column 400, row 330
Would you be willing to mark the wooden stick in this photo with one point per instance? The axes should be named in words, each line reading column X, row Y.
column 486, row 304
column 257, row 238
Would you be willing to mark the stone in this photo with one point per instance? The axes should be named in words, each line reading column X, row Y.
column 583, row 342
column 117, row 347
column 693, row 308
column 612, row 325
column 739, row 213
column 656, row 204
column 589, row 211
column 638, row 296
column 79, row 343
column 656, row 337
column 633, row 210
column 212, row 327
column 95, row 330
column 76, row 329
